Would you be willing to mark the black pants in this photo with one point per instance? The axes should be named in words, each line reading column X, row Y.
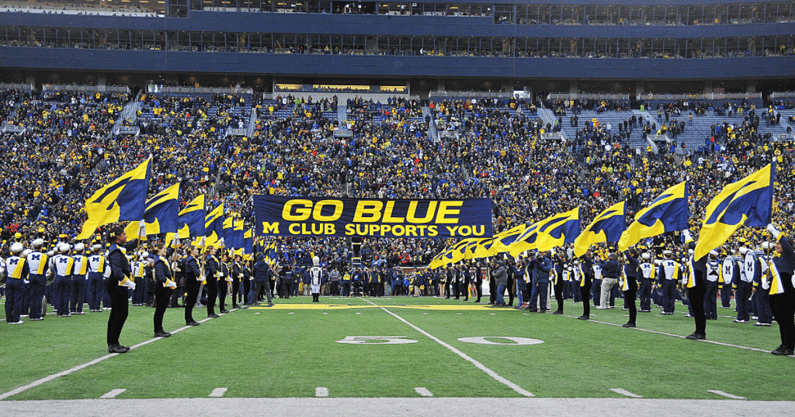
column 222, row 291
column 511, row 290
column 783, row 308
column 479, row 289
column 695, row 297
column 162, row 295
column 118, row 313
column 585, row 293
column 335, row 288
column 558, row 288
column 629, row 299
column 287, row 285
column 235, row 292
column 212, row 294
column 192, row 287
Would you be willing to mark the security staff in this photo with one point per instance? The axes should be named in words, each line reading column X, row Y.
column 164, row 284
column 79, row 278
column 346, row 284
column 38, row 267
column 64, row 266
column 783, row 302
column 118, row 284
column 711, row 296
column 16, row 269
column 193, row 279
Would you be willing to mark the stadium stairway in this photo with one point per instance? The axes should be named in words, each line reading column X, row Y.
column 433, row 134
column 548, row 117
column 252, row 122
column 342, row 113
column 129, row 113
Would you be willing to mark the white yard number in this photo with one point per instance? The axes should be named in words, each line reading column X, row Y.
column 483, row 340
column 376, row 340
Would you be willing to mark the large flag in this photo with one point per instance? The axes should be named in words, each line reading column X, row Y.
column 504, row 240
column 248, row 242
column 228, row 231
column 479, row 248
column 190, row 222
column 606, row 227
column 236, row 239
column 451, row 255
column 122, row 200
column 214, row 225
column 748, row 202
column 526, row 241
column 667, row 213
column 558, row 229
column 160, row 214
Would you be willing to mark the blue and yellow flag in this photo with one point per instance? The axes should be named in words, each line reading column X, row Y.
column 502, row 241
column 248, row 242
column 667, row 213
column 190, row 222
column 451, row 255
column 525, row 241
column 122, row 200
column 556, row 230
column 214, row 225
column 160, row 214
column 236, row 239
column 606, row 227
column 748, row 202
column 478, row 248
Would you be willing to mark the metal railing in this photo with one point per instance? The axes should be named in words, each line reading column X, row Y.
column 154, row 88
column 470, row 94
column 17, row 86
column 86, row 88
column 704, row 96
column 589, row 96
column 782, row 94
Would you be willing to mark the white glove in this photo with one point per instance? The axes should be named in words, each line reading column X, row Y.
column 130, row 285
column 172, row 285
column 773, row 231
column 220, row 275
column 200, row 278
column 687, row 235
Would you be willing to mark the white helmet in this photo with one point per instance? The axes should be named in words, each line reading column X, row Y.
column 64, row 247
column 316, row 261
column 37, row 242
column 16, row 247
column 80, row 247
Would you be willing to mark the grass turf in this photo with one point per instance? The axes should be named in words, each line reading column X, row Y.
column 290, row 350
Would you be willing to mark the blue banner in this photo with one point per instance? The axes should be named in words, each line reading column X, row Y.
column 343, row 217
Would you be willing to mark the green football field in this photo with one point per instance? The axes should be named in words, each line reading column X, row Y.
column 394, row 347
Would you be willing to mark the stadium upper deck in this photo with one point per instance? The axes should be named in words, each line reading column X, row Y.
column 736, row 45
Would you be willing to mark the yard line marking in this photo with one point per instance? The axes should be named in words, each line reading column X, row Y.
column 625, row 392
column 423, row 392
column 46, row 379
column 218, row 393
column 725, row 394
column 321, row 392
column 112, row 394
column 676, row 335
column 463, row 355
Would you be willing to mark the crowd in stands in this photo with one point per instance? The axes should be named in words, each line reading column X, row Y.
column 67, row 152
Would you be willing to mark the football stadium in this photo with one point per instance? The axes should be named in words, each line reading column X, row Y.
column 236, row 207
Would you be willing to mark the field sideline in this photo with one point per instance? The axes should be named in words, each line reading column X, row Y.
column 402, row 348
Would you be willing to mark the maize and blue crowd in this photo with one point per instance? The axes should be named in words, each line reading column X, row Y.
column 67, row 151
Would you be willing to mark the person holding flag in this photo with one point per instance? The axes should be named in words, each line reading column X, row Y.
column 782, row 290
column 164, row 284
column 118, row 283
